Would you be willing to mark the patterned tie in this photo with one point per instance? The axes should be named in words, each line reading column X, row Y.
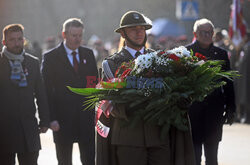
column 137, row 54
column 75, row 62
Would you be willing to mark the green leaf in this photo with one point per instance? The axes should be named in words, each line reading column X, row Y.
column 86, row 91
column 137, row 102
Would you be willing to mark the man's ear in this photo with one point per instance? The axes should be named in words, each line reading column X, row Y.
column 122, row 34
column 63, row 35
column 195, row 35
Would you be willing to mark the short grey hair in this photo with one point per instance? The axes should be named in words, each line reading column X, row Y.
column 72, row 22
column 200, row 22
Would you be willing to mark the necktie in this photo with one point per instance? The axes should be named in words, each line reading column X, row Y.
column 75, row 62
column 137, row 54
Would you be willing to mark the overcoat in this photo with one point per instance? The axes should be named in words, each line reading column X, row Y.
column 65, row 106
column 207, row 117
column 18, row 122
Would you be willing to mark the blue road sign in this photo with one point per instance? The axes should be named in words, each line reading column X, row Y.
column 187, row 10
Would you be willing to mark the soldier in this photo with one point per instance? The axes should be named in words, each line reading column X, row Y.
column 139, row 145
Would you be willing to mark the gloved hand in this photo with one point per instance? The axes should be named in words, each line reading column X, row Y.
column 229, row 117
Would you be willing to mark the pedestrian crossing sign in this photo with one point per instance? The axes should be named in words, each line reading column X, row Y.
column 187, row 10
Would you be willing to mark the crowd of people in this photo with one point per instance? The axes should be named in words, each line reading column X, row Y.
column 29, row 72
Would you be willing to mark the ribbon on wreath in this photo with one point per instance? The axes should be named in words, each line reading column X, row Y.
column 104, row 107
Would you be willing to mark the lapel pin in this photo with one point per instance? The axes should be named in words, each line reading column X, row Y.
column 84, row 61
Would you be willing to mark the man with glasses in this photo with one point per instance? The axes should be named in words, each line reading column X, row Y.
column 207, row 117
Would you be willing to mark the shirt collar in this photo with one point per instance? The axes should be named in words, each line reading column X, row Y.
column 133, row 51
column 68, row 50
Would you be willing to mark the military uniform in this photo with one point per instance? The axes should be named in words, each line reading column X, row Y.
column 178, row 144
column 139, row 144
column 142, row 135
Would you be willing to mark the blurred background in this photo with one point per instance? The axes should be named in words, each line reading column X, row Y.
column 43, row 19
column 172, row 26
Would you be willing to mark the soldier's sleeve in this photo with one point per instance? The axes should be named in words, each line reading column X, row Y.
column 108, row 69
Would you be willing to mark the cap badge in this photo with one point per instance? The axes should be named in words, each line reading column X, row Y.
column 136, row 16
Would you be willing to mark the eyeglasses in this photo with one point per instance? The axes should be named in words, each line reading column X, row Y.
column 204, row 32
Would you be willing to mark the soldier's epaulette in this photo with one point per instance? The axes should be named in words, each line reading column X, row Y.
column 111, row 57
column 149, row 50
column 117, row 57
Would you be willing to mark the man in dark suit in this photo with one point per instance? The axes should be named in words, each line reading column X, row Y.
column 208, row 117
column 70, row 64
column 20, row 84
column 141, row 144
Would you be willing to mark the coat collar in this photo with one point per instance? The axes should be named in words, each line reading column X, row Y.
column 68, row 50
column 128, row 55
column 197, row 46
column 133, row 51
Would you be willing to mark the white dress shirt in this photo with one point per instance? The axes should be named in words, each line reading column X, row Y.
column 69, row 55
column 133, row 51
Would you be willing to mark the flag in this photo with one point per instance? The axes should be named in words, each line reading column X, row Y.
column 237, row 24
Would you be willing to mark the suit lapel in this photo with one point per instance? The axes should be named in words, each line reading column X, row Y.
column 82, row 56
column 83, row 60
column 62, row 56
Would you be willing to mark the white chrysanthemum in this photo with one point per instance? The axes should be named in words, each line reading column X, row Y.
column 152, row 54
column 180, row 52
column 144, row 61
column 162, row 60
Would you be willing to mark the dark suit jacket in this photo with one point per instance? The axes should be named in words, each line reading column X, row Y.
column 18, row 124
column 207, row 116
column 65, row 106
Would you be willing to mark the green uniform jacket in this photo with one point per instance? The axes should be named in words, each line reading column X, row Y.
column 142, row 134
